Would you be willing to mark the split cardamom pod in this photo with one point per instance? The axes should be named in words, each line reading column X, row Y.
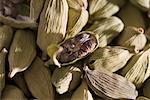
column 38, row 78
column 129, row 18
column 107, row 29
column 110, row 58
column 22, row 51
column 104, row 8
column 109, row 85
column 10, row 15
column 77, row 4
column 73, row 49
column 146, row 89
column 11, row 92
column 142, row 4
column 132, row 37
column 77, row 19
column 67, row 78
column 53, row 23
column 2, row 69
column 82, row 92
column 138, row 68
column 6, row 35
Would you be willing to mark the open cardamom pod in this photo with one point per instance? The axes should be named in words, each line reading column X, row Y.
column 10, row 14
column 132, row 37
column 11, row 92
column 6, row 35
column 107, row 29
column 142, row 98
column 78, row 4
column 104, row 8
column 2, row 69
column 129, row 18
column 82, row 92
column 77, row 19
column 138, row 68
column 73, row 49
column 146, row 89
column 53, row 23
column 142, row 4
column 110, row 58
column 109, row 85
column 22, row 51
column 67, row 78
column 38, row 78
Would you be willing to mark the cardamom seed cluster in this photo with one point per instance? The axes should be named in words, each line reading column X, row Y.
column 75, row 49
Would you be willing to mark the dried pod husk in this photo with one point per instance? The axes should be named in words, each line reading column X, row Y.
column 77, row 19
column 142, row 4
column 104, row 8
column 38, row 79
column 107, row 29
column 6, row 35
column 2, row 69
column 10, row 15
column 146, row 89
column 67, row 78
column 82, row 92
column 138, row 68
column 22, row 51
column 11, row 92
column 21, row 83
column 53, row 23
column 109, row 85
column 132, row 19
column 73, row 49
column 110, row 58
column 132, row 37
column 77, row 4
column 142, row 98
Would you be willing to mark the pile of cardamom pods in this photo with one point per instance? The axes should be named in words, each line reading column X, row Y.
column 75, row 49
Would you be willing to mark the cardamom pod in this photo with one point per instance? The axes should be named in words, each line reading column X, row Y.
column 19, row 80
column 142, row 98
column 138, row 68
column 146, row 89
column 132, row 19
column 82, row 92
column 10, row 15
column 77, row 4
column 11, row 92
column 132, row 37
column 110, row 58
column 73, row 49
column 142, row 4
column 38, row 79
column 53, row 23
column 77, row 19
column 104, row 8
column 2, row 69
column 6, row 35
column 107, row 29
column 67, row 78
column 109, row 85
column 22, row 51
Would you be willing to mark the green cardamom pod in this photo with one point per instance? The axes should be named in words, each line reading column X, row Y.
column 53, row 23
column 142, row 98
column 11, row 92
column 22, row 51
column 82, row 92
column 110, row 58
column 67, row 78
column 107, row 29
column 2, row 69
column 109, row 85
column 146, row 89
column 38, row 79
column 73, row 49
